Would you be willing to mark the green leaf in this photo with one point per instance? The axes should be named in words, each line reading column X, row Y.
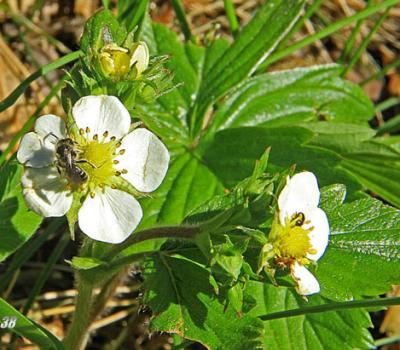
column 379, row 176
column 99, row 29
column 374, row 164
column 345, row 330
column 168, row 115
column 27, row 328
column 185, row 62
column 183, row 300
column 232, row 153
column 17, row 222
column 336, row 153
column 187, row 185
column 251, row 47
column 362, row 258
column 285, row 97
column 332, row 196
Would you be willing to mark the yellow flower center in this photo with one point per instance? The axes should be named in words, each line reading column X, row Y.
column 98, row 163
column 94, row 160
column 292, row 240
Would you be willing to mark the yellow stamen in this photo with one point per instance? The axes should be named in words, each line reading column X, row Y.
column 292, row 240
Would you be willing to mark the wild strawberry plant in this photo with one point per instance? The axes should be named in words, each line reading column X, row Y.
column 261, row 205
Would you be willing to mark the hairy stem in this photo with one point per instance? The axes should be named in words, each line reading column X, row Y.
column 89, row 305
column 183, row 232
column 78, row 332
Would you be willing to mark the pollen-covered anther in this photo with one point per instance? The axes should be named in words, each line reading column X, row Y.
column 105, row 133
column 87, row 130
column 118, row 144
column 92, row 194
column 124, row 171
column 115, row 161
column 113, row 138
column 81, row 131
column 117, row 173
column 95, row 137
column 113, row 186
column 121, row 151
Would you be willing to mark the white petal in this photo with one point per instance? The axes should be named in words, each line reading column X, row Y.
column 101, row 114
column 146, row 159
column 50, row 127
column 319, row 236
column 45, row 192
column 300, row 193
column 110, row 216
column 140, row 57
column 306, row 282
column 33, row 152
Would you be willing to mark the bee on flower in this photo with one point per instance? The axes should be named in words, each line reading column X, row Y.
column 300, row 231
column 93, row 170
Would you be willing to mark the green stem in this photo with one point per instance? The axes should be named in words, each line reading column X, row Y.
column 231, row 15
column 180, row 13
column 365, row 43
column 45, row 273
column 327, row 31
column 357, row 304
column 138, row 8
column 382, row 72
column 78, row 332
column 29, row 25
column 389, row 103
column 309, row 12
column 88, row 307
column 387, row 341
column 20, row 89
column 183, row 232
column 350, row 41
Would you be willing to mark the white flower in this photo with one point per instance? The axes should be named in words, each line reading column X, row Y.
column 301, row 234
column 103, row 165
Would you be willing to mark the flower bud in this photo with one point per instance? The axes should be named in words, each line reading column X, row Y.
column 114, row 60
column 140, row 58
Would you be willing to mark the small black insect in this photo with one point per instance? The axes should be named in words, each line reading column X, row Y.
column 66, row 154
column 298, row 218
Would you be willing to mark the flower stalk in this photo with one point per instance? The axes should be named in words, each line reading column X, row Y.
column 90, row 303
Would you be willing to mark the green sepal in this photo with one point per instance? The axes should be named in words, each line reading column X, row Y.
column 235, row 298
column 85, row 263
column 257, row 235
column 228, row 257
column 121, row 184
column 204, row 243
column 72, row 214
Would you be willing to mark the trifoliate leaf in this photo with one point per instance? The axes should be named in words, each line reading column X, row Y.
column 363, row 257
column 345, row 330
column 183, row 302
